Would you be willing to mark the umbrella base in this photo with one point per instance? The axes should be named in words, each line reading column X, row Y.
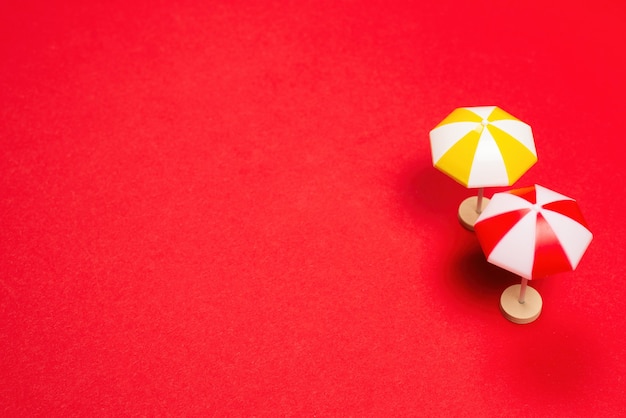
column 467, row 211
column 520, row 313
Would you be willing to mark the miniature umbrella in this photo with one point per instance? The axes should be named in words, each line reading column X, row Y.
column 532, row 232
column 482, row 147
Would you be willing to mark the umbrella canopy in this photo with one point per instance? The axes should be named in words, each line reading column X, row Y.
column 483, row 147
column 533, row 232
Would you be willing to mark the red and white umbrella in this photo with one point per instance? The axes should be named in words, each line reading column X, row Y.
column 533, row 232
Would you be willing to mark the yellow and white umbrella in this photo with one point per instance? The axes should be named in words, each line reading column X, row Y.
column 482, row 147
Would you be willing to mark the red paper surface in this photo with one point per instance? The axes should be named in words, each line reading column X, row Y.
column 229, row 209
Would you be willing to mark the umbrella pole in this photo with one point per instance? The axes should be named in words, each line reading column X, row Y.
column 522, row 291
column 479, row 202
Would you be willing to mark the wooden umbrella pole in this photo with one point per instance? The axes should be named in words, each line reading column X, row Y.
column 479, row 202
column 522, row 291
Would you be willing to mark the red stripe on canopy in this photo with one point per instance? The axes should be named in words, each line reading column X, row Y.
column 527, row 193
column 550, row 258
column 568, row 208
column 491, row 230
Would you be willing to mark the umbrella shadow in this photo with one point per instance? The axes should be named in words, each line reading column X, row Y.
column 472, row 280
column 465, row 272
column 424, row 190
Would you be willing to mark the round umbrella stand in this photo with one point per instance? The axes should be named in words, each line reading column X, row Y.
column 514, row 310
column 470, row 209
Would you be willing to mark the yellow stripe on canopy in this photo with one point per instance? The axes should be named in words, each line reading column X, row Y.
column 517, row 157
column 460, row 115
column 499, row 114
column 458, row 160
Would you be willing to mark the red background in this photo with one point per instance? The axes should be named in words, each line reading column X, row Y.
column 229, row 208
